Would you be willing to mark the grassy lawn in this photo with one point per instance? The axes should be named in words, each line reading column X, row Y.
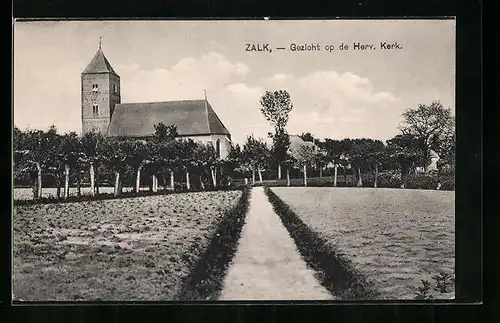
column 128, row 249
column 395, row 237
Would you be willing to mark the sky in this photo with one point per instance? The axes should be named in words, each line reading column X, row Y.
column 336, row 94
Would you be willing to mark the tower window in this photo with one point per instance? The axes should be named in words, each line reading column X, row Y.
column 95, row 88
column 95, row 109
column 115, row 88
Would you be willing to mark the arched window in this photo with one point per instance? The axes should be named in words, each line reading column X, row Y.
column 217, row 147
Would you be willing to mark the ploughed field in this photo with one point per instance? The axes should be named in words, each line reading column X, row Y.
column 395, row 237
column 126, row 249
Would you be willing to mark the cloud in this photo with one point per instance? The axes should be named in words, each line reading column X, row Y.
column 326, row 103
column 332, row 104
column 184, row 80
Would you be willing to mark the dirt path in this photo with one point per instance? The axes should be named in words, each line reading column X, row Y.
column 267, row 264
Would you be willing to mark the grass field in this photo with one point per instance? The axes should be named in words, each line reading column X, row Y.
column 395, row 237
column 127, row 249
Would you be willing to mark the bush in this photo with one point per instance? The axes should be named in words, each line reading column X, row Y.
column 337, row 274
column 110, row 196
column 206, row 277
column 389, row 179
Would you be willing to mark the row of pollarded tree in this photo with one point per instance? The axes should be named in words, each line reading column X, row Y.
column 163, row 154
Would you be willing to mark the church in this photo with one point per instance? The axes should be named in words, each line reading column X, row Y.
column 102, row 111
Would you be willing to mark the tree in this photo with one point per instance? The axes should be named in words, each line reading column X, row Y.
column 360, row 153
column 276, row 107
column 256, row 156
column 407, row 151
column 375, row 159
column 115, row 156
column 161, row 150
column 137, row 154
column 34, row 151
column 429, row 125
column 305, row 156
column 186, row 159
column 69, row 155
column 90, row 145
column 206, row 161
column 233, row 162
column 281, row 143
column 333, row 150
column 288, row 162
column 321, row 160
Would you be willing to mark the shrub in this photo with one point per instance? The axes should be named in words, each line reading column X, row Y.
column 109, row 196
column 204, row 282
column 337, row 274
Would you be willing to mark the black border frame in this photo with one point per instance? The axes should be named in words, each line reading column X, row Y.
column 469, row 160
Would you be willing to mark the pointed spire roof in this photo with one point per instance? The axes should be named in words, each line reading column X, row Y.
column 99, row 64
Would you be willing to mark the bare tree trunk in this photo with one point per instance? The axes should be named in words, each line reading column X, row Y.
column 39, row 181
column 188, row 184
column 96, row 169
column 335, row 167
column 404, row 178
column 253, row 176
column 78, row 183
column 202, row 185
column 92, row 179
column 288, row 176
column 360, row 180
column 155, row 183
column 138, row 179
column 279, row 171
column 58, row 183
column 117, row 184
column 375, row 184
column 172, row 180
column 305, row 175
column 34, row 187
column 120, row 183
column 214, row 179
column 320, row 172
column 260, row 175
column 66, row 181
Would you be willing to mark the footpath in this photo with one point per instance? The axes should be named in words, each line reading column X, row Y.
column 267, row 264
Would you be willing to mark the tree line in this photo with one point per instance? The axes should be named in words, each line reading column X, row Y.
column 165, row 155
column 424, row 130
column 38, row 152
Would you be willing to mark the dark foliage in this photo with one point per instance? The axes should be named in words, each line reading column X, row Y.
column 336, row 273
column 205, row 280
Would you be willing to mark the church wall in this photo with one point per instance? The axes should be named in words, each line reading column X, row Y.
column 225, row 143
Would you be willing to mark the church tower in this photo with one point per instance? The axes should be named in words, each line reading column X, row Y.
column 100, row 86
